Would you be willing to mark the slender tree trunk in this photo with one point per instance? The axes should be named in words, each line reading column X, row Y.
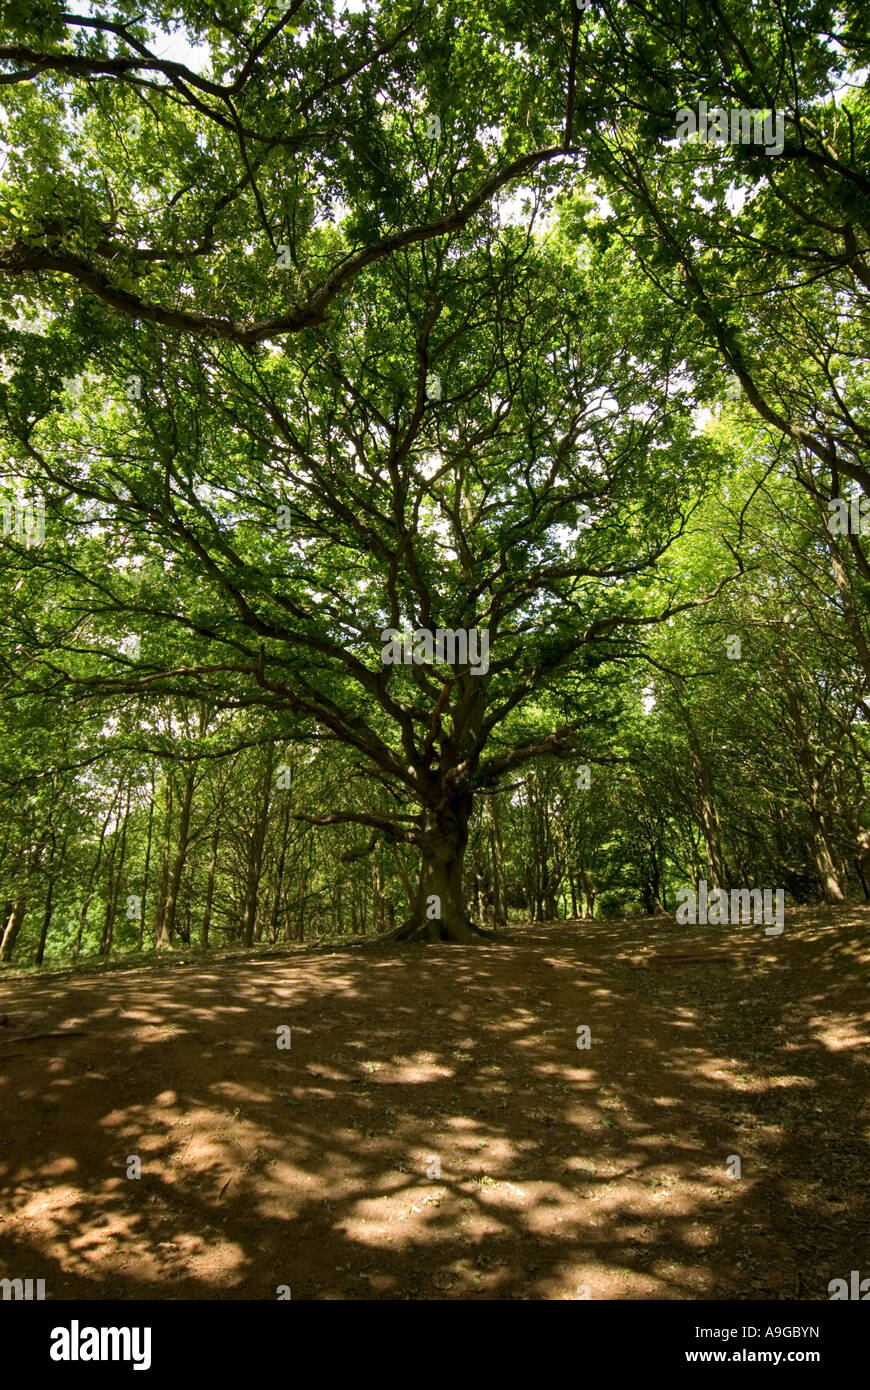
column 147, row 871
column 163, row 882
column 279, row 872
column 843, row 582
column 12, row 927
column 167, row 919
column 114, row 881
column 209, row 888
column 46, row 920
column 187, row 911
column 92, row 881
column 499, row 893
column 707, row 807
column 255, row 855
column 410, row 891
column 377, row 900
column 57, row 866
column 820, row 847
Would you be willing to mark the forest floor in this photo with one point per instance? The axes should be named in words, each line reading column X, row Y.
column 564, row 1173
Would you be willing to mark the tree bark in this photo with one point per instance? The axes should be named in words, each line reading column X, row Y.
column 163, row 881
column 54, row 875
column 499, row 894
column 209, row 888
column 279, row 873
column 12, row 928
column 83, row 917
column 439, row 912
column 377, row 899
column 167, row 917
column 819, row 842
column 708, row 808
column 113, row 885
column 254, row 866
column 147, row 869
column 46, row 920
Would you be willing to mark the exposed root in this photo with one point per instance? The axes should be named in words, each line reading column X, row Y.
column 421, row 929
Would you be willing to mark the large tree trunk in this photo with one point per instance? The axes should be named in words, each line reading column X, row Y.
column 824, row 860
column 438, row 912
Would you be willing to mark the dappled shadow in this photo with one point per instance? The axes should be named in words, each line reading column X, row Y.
column 561, row 1170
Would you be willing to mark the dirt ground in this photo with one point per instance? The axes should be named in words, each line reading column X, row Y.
column 564, row 1173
